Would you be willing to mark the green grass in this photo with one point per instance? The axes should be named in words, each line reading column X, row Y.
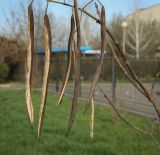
column 17, row 138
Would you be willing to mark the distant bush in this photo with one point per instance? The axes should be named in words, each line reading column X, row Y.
column 4, row 71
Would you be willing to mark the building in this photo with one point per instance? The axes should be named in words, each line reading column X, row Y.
column 147, row 14
column 142, row 32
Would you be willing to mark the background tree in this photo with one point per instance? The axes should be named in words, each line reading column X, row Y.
column 115, row 26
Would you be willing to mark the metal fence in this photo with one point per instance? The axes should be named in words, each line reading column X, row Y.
column 126, row 96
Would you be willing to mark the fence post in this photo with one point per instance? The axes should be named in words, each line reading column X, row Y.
column 57, row 72
column 113, row 81
column 79, row 78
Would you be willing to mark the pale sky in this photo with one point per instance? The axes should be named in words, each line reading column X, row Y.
column 124, row 7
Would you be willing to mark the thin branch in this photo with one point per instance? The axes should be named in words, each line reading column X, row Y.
column 141, row 87
column 87, row 4
column 119, row 115
column 150, row 134
column 122, row 67
column 82, row 10
column 147, row 132
column 46, row 8
column 101, row 59
column 134, row 81
column 31, row 3
column 97, row 9
column 100, row 2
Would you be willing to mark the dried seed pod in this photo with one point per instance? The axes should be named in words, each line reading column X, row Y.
column 92, row 120
column 75, row 59
column 70, row 43
column 48, row 45
column 77, row 68
column 75, row 94
column 78, row 55
column 29, row 65
column 100, row 63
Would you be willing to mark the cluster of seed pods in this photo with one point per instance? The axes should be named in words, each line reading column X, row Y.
column 73, row 54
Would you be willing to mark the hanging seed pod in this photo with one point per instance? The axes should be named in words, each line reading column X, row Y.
column 77, row 68
column 70, row 43
column 100, row 63
column 48, row 45
column 92, row 121
column 29, row 65
column 75, row 59
column 75, row 94
column 78, row 55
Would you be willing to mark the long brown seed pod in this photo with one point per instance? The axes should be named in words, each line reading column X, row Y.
column 92, row 120
column 78, row 55
column 75, row 95
column 48, row 45
column 77, row 68
column 29, row 65
column 100, row 64
column 70, row 43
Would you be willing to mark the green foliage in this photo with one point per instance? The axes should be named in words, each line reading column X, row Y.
column 4, row 70
column 17, row 138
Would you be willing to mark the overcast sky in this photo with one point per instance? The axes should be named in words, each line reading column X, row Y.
column 112, row 7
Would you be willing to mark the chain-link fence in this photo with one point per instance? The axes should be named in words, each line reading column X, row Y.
column 127, row 97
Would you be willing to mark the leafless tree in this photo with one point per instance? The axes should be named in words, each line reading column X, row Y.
column 138, row 38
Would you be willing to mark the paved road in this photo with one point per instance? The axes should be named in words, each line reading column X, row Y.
column 127, row 97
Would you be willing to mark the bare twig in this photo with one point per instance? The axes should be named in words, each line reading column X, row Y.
column 133, row 78
column 87, row 4
column 119, row 115
column 97, row 9
column 150, row 134
column 82, row 10
column 133, row 81
column 122, row 67
column 100, row 2
column 145, row 132
column 31, row 3
column 100, row 64
column 46, row 8
column 124, row 58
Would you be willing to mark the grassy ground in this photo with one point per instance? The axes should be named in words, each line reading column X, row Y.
column 16, row 137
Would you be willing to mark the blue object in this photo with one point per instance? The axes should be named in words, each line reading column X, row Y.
column 62, row 50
